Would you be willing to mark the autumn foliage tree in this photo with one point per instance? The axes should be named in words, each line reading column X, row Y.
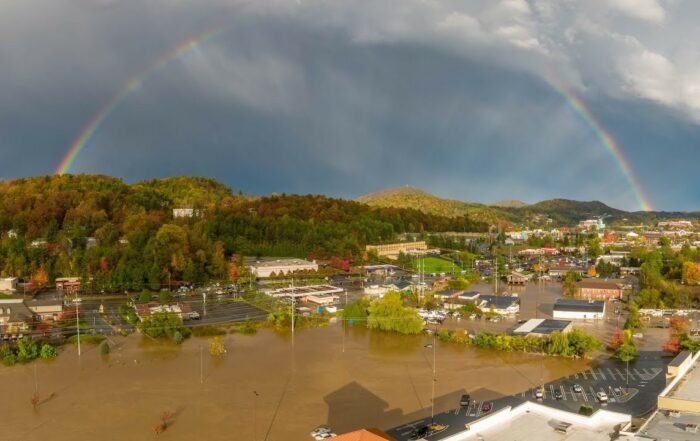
column 617, row 340
column 691, row 273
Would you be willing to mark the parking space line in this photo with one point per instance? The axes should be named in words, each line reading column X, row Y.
column 594, row 377
column 610, row 372
column 638, row 373
column 600, row 372
column 551, row 388
column 585, row 397
column 592, row 393
column 621, row 374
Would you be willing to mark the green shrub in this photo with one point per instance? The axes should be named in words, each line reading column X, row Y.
column 145, row 297
column 178, row 337
column 27, row 349
column 9, row 359
column 207, row 331
column 586, row 410
column 47, row 351
column 248, row 327
column 104, row 347
column 444, row 335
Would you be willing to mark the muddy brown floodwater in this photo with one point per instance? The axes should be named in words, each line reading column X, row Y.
column 264, row 388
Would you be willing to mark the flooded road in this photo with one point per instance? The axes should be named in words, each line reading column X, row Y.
column 267, row 386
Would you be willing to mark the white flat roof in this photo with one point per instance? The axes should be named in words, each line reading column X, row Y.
column 689, row 387
column 282, row 262
column 525, row 426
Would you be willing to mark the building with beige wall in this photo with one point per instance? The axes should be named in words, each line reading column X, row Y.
column 392, row 250
column 598, row 289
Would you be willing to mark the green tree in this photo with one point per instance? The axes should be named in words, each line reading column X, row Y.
column 47, row 351
column 27, row 349
column 389, row 314
column 627, row 351
column 569, row 284
column 216, row 347
column 633, row 320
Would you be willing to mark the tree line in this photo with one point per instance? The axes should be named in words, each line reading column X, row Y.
column 119, row 236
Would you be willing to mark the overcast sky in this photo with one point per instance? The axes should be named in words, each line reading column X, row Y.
column 342, row 97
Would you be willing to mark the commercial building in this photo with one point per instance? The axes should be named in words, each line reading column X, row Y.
column 561, row 271
column 515, row 278
column 8, row 284
column 578, row 309
column 15, row 317
column 543, row 327
column 46, row 309
column 318, row 294
column 278, row 267
column 70, row 284
column 678, row 417
column 599, row 289
column 392, row 250
column 502, row 305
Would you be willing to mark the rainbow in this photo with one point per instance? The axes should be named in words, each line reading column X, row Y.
column 135, row 82
column 131, row 85
column 579, row 107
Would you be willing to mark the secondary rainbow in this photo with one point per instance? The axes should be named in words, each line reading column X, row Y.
column 579, row 107
column 88, row 132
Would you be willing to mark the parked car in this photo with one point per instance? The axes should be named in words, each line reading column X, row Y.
column 577, row 388
column 602, row 397
column 419, row 432
column 320, row 430
column 558, row 395
column 539, row 394
column 486, row 407
column 465, row 400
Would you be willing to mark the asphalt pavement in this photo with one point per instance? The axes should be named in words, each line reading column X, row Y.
column 631, row 392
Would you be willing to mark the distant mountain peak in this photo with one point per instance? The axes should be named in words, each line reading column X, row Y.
column 510, row 203
column 412, row 197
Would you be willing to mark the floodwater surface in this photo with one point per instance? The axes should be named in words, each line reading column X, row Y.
column 268, row 386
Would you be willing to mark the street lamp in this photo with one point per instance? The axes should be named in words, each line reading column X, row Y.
column 77, row 301
column 255, row 414
column 432, row 396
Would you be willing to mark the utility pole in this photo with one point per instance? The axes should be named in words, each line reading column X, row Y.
column 432, row 395
column 77, row 301
column 201, row 365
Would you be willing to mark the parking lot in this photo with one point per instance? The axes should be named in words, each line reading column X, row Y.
column 633, row 393
column 646, row 380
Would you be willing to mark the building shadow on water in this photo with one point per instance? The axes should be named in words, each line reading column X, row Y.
column 353, row 407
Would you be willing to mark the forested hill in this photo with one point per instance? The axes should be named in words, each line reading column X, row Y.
column 125, row 236
column 410, row 197
column 564, row 212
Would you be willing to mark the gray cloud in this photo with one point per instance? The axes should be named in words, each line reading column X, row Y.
column 329, row 97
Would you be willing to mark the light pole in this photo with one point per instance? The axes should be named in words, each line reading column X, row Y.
column 77, row 301
column 432, row 395
column 255, row 415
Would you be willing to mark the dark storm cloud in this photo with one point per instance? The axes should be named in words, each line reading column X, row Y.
column 329, row 98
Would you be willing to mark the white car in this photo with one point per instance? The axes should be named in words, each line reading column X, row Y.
column 602, row 397
column 320, row 430
column 325, row 435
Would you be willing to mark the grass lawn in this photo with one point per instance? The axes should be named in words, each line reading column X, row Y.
column 434, row 265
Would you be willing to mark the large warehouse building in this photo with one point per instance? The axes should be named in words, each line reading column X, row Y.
column 578, row 309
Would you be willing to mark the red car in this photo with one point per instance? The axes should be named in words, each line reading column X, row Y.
column 486, row 407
